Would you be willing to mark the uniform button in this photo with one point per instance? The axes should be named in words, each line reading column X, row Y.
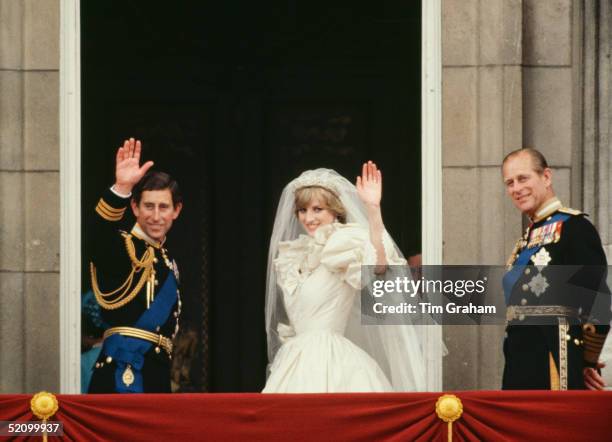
column 155, row 260
column 176, row 314
column 109, row 359
column 525, row 287
column 158, row 328
column 527, row 271
column 97, row 365
column 156, row 282
column 523, row 301
column 549, row 218
column 567, row 337
column 577, row 341
column 157, row 350
column 521, row 317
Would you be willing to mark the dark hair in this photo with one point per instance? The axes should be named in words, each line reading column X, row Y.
column 537, row 159
column 154, row 180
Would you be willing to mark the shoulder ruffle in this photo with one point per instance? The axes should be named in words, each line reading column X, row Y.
column 299, row 257
column 346, row 250
column 341, row 248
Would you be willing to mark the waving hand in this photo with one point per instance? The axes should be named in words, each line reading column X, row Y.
column 369, row 184
column 369, row 188
column 127, row 166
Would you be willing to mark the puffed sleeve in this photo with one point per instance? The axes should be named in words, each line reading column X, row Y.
column 349, row 247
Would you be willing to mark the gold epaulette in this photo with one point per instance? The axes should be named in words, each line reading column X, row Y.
column 593, row 343
column 108, row 212
column 570, row 211
column 122, row 295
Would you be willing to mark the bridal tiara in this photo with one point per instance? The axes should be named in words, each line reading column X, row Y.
column 326, row 178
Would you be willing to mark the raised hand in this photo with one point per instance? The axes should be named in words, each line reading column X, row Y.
column 369, row 184
column 127, row 166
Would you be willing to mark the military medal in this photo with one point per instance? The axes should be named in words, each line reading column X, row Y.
column 556, row 234
column 538, row 284
column 541, row 259
column 550, row 233
column 128, row 376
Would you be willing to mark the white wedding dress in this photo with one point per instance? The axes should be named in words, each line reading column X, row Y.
column 320, row 277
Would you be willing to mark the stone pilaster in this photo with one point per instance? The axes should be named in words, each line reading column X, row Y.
column 29, row 207
column 482, row 121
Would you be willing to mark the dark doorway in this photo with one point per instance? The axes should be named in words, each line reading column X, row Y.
column 235, row 99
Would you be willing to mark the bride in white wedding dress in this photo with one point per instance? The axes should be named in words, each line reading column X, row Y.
column 316, row 342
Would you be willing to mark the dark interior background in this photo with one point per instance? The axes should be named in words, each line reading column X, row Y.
column 235, row 99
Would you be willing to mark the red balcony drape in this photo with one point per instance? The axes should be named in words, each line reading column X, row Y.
column 487, row 415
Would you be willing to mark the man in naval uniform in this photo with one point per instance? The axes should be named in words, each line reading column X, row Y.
column 548, row 344
column 134, row 279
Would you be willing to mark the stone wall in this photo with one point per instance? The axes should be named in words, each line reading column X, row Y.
column 597, row 155
column 482, row 120
column 552, row 106
column 29, row 201
column 510, row 79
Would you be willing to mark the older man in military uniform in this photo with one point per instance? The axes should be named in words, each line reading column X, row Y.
column 548, row 345
column 134, row 279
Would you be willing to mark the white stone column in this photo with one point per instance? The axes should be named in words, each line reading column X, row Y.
column 482, row 121
column 29, row 207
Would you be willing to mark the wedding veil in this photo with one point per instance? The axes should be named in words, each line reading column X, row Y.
column 397, row 349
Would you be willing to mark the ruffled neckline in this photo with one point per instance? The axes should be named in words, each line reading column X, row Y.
column 298, row 258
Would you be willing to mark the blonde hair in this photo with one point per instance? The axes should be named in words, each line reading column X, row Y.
column 305, row 195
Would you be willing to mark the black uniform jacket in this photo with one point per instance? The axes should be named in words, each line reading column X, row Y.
column 571, row 273
column 112, row 265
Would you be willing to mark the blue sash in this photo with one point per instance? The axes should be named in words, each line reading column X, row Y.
column 126, row 350
column 513, row 275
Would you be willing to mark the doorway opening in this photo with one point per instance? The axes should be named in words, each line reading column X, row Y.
column 235, row 99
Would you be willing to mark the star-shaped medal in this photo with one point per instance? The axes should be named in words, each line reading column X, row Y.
column 538, row 284
column 541, row 259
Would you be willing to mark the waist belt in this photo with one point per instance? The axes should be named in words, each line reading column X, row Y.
column 520, row 312
column 158, row 340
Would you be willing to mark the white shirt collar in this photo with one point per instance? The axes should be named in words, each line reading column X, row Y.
column 548, row 208
column 140, row 234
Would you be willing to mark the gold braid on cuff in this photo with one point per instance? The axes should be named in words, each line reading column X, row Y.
column 593, row 343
